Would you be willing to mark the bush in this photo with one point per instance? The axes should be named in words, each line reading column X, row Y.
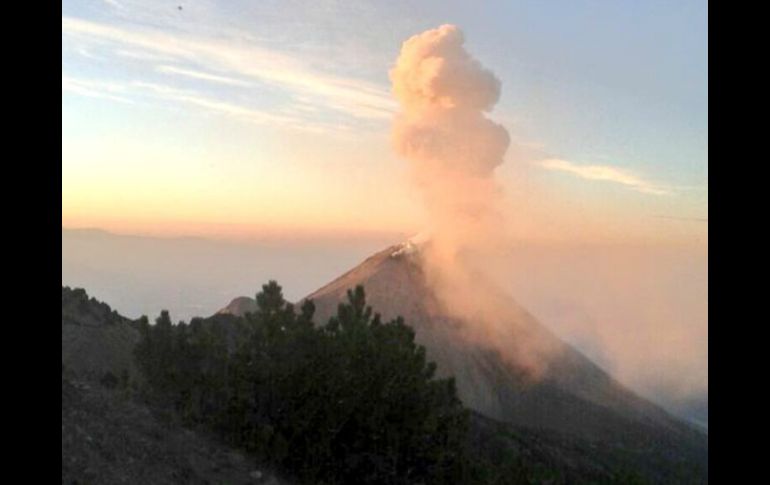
column 352, row 401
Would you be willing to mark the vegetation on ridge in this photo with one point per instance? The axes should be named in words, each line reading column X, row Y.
column 352, row 401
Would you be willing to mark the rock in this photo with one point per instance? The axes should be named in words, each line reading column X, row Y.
column 256, row 475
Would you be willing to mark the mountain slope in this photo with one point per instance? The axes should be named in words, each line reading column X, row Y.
column 109, row 433
column 574, row 396
column 94, row 338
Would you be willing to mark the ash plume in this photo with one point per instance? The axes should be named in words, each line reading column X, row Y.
column 454, row 149
column 443, row 93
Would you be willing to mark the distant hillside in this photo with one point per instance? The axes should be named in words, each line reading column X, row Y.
column 240, row 306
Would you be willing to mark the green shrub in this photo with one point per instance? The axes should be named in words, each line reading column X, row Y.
column 352, row 401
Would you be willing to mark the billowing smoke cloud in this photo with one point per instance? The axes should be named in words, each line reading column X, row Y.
column 454, row 150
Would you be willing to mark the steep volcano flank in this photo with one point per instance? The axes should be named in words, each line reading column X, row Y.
column 573, row 395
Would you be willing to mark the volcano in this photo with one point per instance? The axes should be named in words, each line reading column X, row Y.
column 571, row 395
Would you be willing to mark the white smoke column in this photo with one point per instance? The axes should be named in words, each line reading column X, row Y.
column 454, row 149
column 443, row 93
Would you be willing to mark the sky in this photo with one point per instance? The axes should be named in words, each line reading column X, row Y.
column 255, row 119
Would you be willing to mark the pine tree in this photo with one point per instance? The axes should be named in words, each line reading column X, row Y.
column 352, row 401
